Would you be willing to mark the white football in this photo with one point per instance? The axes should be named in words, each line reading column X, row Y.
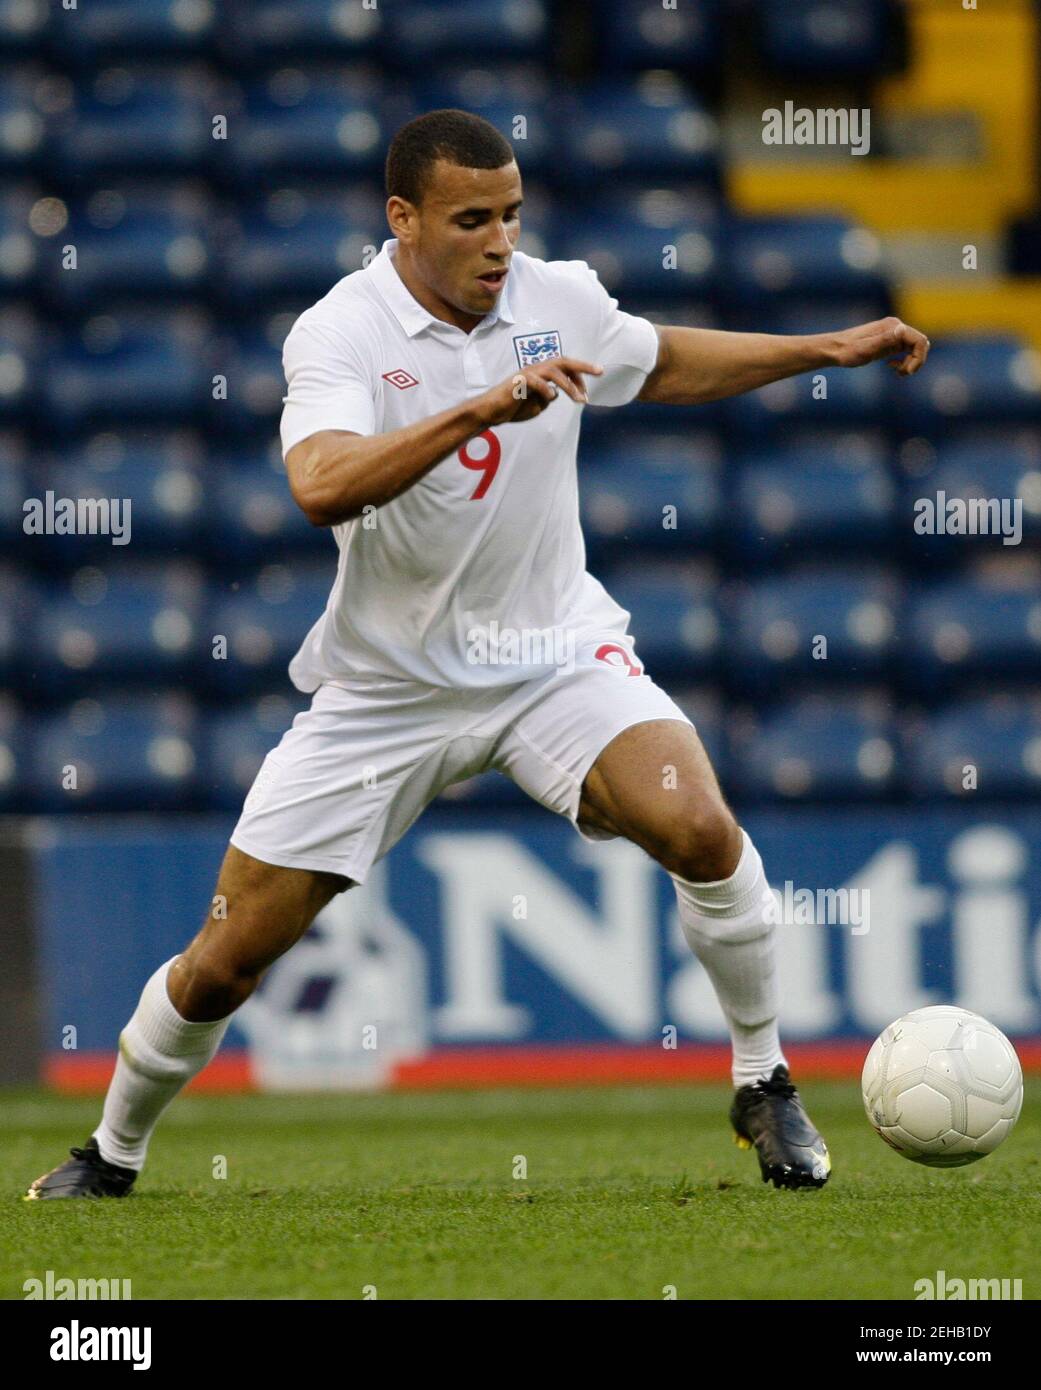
column 942, row 1086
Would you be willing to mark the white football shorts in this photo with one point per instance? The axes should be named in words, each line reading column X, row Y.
column 362, row 763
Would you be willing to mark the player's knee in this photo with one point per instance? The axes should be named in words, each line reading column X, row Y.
column 215, row 984
column 702, row 844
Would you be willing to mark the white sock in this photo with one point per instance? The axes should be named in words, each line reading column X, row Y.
column 159, row 1053
column 731, row 933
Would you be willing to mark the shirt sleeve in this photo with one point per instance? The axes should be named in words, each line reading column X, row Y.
column 329, row 387
column 626, row 348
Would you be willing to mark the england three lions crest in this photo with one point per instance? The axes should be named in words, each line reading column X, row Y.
column 533, row 348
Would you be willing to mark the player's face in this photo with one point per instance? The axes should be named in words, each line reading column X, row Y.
column 462, row 235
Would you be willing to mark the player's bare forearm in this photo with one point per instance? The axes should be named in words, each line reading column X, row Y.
column 335, row 474
column 696, row 365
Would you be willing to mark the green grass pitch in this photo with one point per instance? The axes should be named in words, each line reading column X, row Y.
column 628, row 1191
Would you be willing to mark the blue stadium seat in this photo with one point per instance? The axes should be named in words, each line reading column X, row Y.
column 135, row 122
column 272, row 31
column 703, row 707
column 237, row 741
column 21, row 255
column 825, row 38
column 20, row 361
column 23, row 129
column 817, row 749
column 19, row 611
column 794, row 258
column 772, row 637
column 264, row 619
column 23, row 26
column 256, row 383
column 999, row 466
column 132, row 246
column 645, row 34
column 675, row 620
column 821, row 493
column 252, row 514
column 648, row 129
column 977, row 380
column 658, row 491
column 652, row 244
column 988, row 747
column 422, row 32
column 307, row 124
column 854, row 400
column 130, row 622
column 975, row 627
column 127, row 369
column 128, row 753
column 163, row 477
column 14, row 754
column 295, row 246
column 515, row 98
column 811, row 315
column 99, row 30
column 14, row 489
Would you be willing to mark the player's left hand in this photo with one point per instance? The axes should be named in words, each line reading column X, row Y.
column 904, row 347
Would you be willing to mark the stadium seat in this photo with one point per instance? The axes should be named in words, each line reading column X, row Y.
column 14, row 489
column 263, row 32
column 674, row 618
column 134, row 122
column 14, row 753
column 23, row 26
column 1000, row 466
column 163, row 477
column 984, row 748
column 262, row 621
column 833, row 398
column 515, row 98
column 252, row 514
column 976, row 380
column 792, row 258
column 252, row 363
column 304, row 125
column 125, row 753
column 131, row 246
column 648, row 129
column 129, row 622
column 774, row 635
column 23, row 129
column 816, row 749
column 655, row 491
column 656, row 244
column 646, row 34
column 128, row 369
column 19, row 611
column 823, row 493
column 101, row 30
column 825, row 38
column 237, row 740
column 21, row 354
column 420, row 33
column 978, row 626
column 21, row 251
column 295, row 245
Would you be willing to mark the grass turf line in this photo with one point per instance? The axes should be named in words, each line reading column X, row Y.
column 628, row 1190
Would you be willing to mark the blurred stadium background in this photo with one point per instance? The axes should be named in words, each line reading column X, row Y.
column 179, row 178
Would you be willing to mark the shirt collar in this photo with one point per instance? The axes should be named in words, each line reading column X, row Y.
column 407, row 309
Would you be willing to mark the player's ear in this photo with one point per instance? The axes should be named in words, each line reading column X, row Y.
column 402, row 217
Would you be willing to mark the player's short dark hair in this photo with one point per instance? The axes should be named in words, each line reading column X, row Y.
column 456, row 136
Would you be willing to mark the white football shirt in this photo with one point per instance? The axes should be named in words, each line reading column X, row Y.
column 459, row 581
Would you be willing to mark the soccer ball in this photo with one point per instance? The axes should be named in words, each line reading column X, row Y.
column 942, row 1086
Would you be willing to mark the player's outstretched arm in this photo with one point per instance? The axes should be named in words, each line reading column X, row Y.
column 335, row 474
column 704, row 364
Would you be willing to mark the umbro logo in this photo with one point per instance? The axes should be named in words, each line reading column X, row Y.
column 400, row 378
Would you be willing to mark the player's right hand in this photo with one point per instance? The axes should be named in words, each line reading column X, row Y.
column 528, row 392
